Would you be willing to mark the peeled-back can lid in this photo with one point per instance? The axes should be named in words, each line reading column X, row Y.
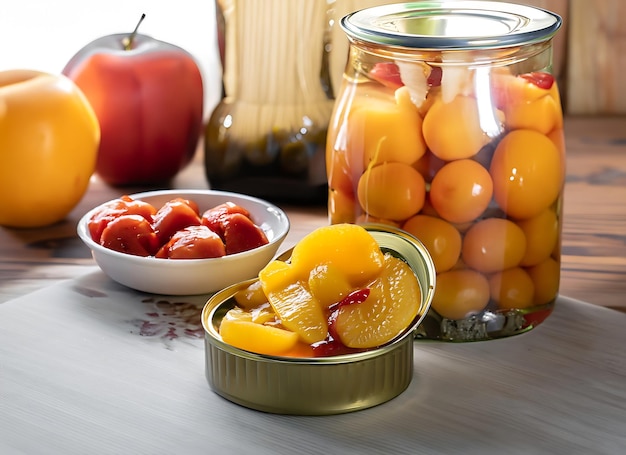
column 452, row 25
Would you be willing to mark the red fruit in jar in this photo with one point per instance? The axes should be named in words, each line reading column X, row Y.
column 173, row 216
column 130, row 234
column 541, row 80
column 241, row 234
column 114, row 209
column 193, row 242
column 388, row 74
column 214, row 218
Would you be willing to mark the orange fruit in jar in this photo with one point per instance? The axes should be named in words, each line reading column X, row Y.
column 529, row 104
column 452, row 130
column 383, row 129
column 527, row 170
column 440, row 238
column 339, row 174
column 341, row 207
column 393, row 191
column 460, row 293
column 546, row 277
column 512, row 288
column 542, row 115
column 542, row 233
column 461, row 191
column 493, row 244
column 428, row 165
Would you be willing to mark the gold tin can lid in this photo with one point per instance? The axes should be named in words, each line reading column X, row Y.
column 319, row 385
column 452, row 25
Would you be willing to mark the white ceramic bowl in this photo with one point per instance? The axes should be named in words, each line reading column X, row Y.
column 192, row 276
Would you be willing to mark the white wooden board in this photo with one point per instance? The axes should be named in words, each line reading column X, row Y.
column 87, row 366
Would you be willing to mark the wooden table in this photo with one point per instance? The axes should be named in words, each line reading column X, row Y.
column 594, row 229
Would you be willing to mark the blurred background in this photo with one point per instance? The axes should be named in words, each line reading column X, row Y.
column 589, row 51
column 44, row 34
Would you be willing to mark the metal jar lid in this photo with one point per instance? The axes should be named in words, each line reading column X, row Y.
column 452, row 25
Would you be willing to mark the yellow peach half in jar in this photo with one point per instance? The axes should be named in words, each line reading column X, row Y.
column 452, row 130
column 380, row 130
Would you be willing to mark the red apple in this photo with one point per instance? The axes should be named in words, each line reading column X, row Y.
column 148, row 97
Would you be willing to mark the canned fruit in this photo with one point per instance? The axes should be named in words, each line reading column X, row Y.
column 512, row 288
column 391, row 190
column 441, row 239
column 461, row 191
column 328, row 284
column 393, row 302
column 260, row 338
column 546, row 276
column 529, row 101
column 293, row 303
column 176, row 230
column 493, row 244
column 130, row 234
column 386, row 130
column 193, row 242
column 542, row 234
column 527, row 172
column 330, row 309
column 452, row 130
column 460, row 293
column 484, row 197
column 348, row 247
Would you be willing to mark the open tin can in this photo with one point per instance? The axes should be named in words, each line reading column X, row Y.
column 318, row 385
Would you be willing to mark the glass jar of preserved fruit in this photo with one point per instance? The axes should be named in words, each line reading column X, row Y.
column 267, row 135
column 448, row 124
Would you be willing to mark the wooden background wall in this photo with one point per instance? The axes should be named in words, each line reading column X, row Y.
column 590, row 55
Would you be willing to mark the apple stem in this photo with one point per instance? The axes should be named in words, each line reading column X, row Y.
column 128, row 41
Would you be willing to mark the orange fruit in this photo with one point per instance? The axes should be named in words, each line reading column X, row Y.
column 393, row 191
column 441, row 239
column 527, row 170
column 493, row 244
column 383, row 129
column 49, row 137
column 259, row 338
column 542, row 234
column 349, row 247
column 452, row 130
column 461, row 191
column 460, row 293
column 512, row 288
column 293, row 303
column 546, row 276
column 392, row 305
